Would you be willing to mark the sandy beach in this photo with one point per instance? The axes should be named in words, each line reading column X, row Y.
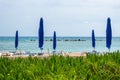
column 45, row 55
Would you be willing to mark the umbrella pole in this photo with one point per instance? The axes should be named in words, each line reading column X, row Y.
column 16, row 49
column 41, row 50
column 109, row 50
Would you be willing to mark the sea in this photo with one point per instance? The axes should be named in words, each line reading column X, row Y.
column 66, row 44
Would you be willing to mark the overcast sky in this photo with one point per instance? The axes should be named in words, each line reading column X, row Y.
column 66, row 17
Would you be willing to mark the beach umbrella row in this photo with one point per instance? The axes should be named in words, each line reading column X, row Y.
column 108, row 35
column 41, row 36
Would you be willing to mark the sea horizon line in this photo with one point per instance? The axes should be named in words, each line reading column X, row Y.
column 64, row 36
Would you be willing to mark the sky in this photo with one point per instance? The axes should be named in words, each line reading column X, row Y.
column 66, row 17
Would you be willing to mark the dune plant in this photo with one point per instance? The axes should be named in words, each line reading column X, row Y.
column 91, row 67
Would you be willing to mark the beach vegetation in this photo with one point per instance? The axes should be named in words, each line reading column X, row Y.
column 92, row 67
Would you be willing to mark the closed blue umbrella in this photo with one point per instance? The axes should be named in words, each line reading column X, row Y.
column 54, row 40
column 108, row 34
column 93, row 39
column 16, row 40
column 41, row 34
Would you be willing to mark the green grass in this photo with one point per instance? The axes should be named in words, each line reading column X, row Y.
column 93, row 67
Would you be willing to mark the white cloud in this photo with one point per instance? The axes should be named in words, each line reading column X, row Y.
column 73, row 15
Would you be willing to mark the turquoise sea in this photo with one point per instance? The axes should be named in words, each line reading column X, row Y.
column 67, row 44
